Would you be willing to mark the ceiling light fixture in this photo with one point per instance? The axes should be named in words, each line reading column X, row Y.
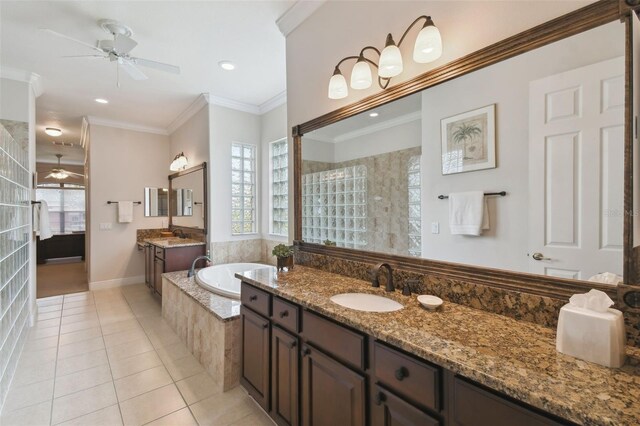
column 102, row 101
column 427, row 48
column 179, row 162
column 227, row 65
column 373, row 114
column 52, row 131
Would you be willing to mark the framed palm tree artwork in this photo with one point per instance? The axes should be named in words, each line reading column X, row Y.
column 469, row 141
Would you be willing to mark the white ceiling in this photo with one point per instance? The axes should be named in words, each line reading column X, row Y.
column 192, row 35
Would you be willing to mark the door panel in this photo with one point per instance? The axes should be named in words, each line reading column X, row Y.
column 284, row 377
column 390, row 410
column 254, row 374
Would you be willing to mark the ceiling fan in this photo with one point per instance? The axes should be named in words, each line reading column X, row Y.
column 117, row 50
column 60, row 173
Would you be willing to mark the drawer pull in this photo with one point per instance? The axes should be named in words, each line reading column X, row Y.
column 380, row 398
column 305, row 351
column 401, row 373
column 253, row 298
column 291, row 345
column 284, row 314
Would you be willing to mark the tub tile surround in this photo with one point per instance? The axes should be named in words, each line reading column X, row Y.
column 208, row 324
column 521, row 306
column 514, row 357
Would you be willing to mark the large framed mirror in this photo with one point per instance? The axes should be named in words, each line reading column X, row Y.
column 188, row 199
column 539, row 123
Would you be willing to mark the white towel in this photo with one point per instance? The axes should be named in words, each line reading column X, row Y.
column 468, row 213
column 125, row 211
column 41, row 224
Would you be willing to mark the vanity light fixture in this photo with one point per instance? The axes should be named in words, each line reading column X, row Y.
column 52, row 131
column 101, row 101
column 179, row 162
column 427, row 48
column 227, row 65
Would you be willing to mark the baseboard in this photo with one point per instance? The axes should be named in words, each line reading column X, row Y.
column 118, row 282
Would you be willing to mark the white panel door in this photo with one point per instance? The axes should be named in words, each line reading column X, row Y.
column 576, row 154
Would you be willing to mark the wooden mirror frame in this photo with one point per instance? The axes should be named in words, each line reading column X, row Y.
column 205, row 204
column 594, row 15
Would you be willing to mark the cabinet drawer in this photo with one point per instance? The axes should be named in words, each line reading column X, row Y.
column 475, row 406
column 407, row 376
column 390, row 410
column 258, row 300
column 345, row 344
column 285, row 314
column 159, row 252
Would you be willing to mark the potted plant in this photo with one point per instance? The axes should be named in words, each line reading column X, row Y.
column 284, row 254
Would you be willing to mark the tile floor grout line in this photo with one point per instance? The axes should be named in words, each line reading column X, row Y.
column 55, row 370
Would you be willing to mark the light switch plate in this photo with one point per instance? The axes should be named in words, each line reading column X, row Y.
column 435, row 227
column 105, row 226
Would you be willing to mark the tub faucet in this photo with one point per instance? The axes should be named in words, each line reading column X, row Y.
column 376, row 271
column 193, row 265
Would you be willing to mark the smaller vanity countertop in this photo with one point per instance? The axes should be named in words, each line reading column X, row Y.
column 514, row 357
column 223, row 308
column 171, row 242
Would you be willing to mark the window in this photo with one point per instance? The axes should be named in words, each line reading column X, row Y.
column 415, row 225
column 243, row 189
column 279, row 188
column 66, row 207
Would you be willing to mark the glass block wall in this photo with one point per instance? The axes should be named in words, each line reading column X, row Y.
column 279, row 188
column 334, row 207
column 415, row 221
column 15, row 229
column 243, row 189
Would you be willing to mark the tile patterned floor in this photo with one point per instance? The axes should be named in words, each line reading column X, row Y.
column 107, row 358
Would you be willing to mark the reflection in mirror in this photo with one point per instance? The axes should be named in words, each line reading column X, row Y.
column 156, row 202
column 187, row 197
column 546, row 126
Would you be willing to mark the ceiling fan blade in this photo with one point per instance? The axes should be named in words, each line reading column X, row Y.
column 57, row 34
column 85, row 56
column 123, row 44
column 49, row 176
column 132, row 70
column 156, row 65
column 73, row 173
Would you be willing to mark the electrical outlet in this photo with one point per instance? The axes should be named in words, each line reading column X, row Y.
column 435, row 227
column 105, row 226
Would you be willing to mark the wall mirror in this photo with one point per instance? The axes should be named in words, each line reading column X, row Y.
column 156, row 202
column 545, row 128
column 188, row 199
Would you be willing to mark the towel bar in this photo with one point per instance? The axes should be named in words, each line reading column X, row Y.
column 501, row 193
column 116, row 202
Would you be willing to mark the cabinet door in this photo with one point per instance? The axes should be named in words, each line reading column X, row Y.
column 389, row 410
column 332, row 394
column 254, row 374
column 158, row 270
column 284, row 377
column 147, row 266
column 152, row 272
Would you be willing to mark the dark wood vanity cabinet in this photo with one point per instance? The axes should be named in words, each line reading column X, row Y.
column 304, row 369
column 158, row 260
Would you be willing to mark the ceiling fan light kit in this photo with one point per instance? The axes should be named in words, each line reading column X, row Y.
column 59, row 173
column 427, row 48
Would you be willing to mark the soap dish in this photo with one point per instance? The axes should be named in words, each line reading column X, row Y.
column 430, row 302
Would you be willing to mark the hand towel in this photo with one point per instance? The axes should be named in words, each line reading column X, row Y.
column 468, row 213
column 125, row 211
column 41, row 224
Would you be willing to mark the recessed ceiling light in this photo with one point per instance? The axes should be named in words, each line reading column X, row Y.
column 52, row 131
column 227, row 65
column 102, row 101
column 373, row 114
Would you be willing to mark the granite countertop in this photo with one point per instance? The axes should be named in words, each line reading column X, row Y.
column 223, row 308
column 514, row 357
column 171, row 242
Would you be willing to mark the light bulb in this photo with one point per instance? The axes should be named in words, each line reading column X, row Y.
column 390, row 60
column 428, row 45
column 338, row 86
column 361, row 75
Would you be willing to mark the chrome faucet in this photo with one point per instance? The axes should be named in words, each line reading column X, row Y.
column 193, row 265
column 376, row 271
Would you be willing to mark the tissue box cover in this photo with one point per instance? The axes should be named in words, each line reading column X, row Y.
column 593, row 336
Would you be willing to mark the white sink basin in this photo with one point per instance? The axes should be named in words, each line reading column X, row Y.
column 366, row 302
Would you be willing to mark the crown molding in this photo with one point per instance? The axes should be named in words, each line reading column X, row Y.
column 99, row 121
column 230, row 103
column 273, row 103
column 393, row 122
column 33, row 79
column 297, row 14
column 184, row 116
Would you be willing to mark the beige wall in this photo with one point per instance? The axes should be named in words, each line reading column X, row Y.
column 314, row 48
column 121, row 164
column 192, row 138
